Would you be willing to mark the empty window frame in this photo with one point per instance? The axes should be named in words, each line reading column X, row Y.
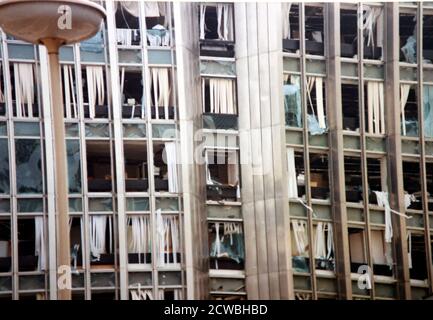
column 319, row 176
column 161, row 96
column 127, row 23
column 350, row 105
column 417, row 254
column 358, row 249
column 101, row 239
column 165, row 167
column 2, row 93
column 409, row 110
column 139, row 239
column 69, row 91
column 373, row 29
column 99, row 169
column 132, row 94
column 168, row 239
column 216, row 21
column 427, row 37
column 226, row 245
column 381, row 254
column 296, row 183
column 407, row 27
column 136, row 166
column 376, row 177
column 290, row 19
column 157, row 23
column 76, row 233
column 300, row 245
column 374, row 102
column 412, row 183
column 32, row 249
column 349, row 31
column 5, row 245
column 219, row 95
column 353, row 179
column 24, row 90
column 314, row 30
column 94, row 92
column 4, row 167
column 170, row 294
column 222, row 175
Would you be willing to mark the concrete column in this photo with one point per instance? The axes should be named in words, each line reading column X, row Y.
column 192, row 172
column 262, row 150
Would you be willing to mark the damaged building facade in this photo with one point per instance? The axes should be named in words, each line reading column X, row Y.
column 314, row 128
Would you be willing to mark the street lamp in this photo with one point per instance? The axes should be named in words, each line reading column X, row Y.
column 54, row 23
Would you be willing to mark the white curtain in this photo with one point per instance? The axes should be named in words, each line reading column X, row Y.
column 225, row 21
column 404, row 95
column 131, row 6
column 141, row 294
column 409, row 248
column 98, row 228
column 24, row 89
column 161, row 90
column 2, row 97
column 168, row 237
column 317, row 82
column 151, row 9
column 291, row 174
column 376, row 107
column 372, row 17
column 300, row 236
column 139, row 240
column 69, row 90
column 171, row 160
column 95, row 88
column 286, row 19
column 40, row 249
column 221, row 93
column 202, row 21
column 126, row 36
column 323, row 241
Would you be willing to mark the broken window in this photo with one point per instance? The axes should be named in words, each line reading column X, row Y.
column 76, row 233
column 358, row 249
column 374, row 107
column 99, row 177
column 127, row 23
column 428, row 111
column 296, row 174
column 412, row 184
column 32, row 251
column 101, row 240
column 350, row 105
column 170, row 294
column 376, row 177
column 222, row 175
column 132, row 94
column 69, row 92
column 226, row 245
column 136, row 177
column 28, row 166
column 139, row 240
column 319, row 176
column 157, row 23
column 353, row 179
column 5, row 245
column 216, row 29
column 4, row 167
column 24, row 90
column 324, row 246
column 373, row 23
column 74, row 165
column 427, row 35
column 381, row 254
column 349, row 32
column 316, row 110
column 219, row 95
column 300, row 246
column 2, row 94
column 292, row 100
column 161, row 96
column 314, row 30
column 407, row 28
column 409, row 110
column 94, row 92
column 168, row 239
column 417, row 253
column 290, row 12
column 165, row 167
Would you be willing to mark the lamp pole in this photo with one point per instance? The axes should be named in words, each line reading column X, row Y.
column 38, row 22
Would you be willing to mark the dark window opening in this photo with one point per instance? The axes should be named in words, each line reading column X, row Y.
column 103, row 295
column 375, row 178
column 353, row 179
column 418, row 257
column 76, row 242
column 427, row 42
column 300, row 173
column 319, row 176
column 136, row 176
column 94, row 92
column 160, row 168
column 222, row 175
column 291, row 28
column 409, row 121
column 412, row 183
column 30, row 237
column 407, row 27
column 349, row 35
column 314, row 30
column 2, row 93
column 350, row 105
column 132, row 94
column 99, row 177
column 5, row 245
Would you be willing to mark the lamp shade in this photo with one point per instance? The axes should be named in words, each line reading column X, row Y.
column 66, row 21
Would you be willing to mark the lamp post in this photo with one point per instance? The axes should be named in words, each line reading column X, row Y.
column 54, row 23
